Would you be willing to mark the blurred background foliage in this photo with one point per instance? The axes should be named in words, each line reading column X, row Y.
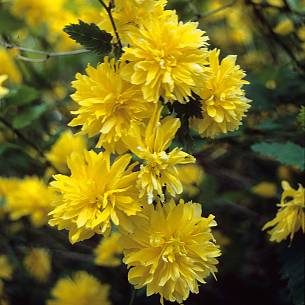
column 240, row 172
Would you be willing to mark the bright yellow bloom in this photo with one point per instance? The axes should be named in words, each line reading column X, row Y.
column 129, row 13
column 265, row 189
column 96, row 193
column 81, row 289
column 8, row 185
column 223, row 102
column 37, row 11
column 165, row 57
column 107, row 104
column 108, row 251
column 63, row 148
column 159, row 168
column 3, row 90
column 278, row 3
column 284, row 27
column 170, row 249
column 38, row 264
column 290, row 217
column 6, row 269
column 8, row 66
column 30, row 198
column 190, row 175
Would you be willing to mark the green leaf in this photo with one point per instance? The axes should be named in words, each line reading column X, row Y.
column 292, row 259
column 26, row 117
column 8, row 22
column 301, row 117
column 90, row 36
column 286, row 153
column 22, row 95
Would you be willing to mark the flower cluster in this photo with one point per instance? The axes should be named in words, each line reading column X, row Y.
column 126, row 103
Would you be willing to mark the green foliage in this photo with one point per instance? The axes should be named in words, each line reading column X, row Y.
column 22, row 95
column 292, row 259
column 90, row 36
column 26, row 117
column 8, row 22
column 286, row 153
column 301, row 117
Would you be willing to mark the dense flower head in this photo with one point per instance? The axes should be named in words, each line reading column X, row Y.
column 165, row 57
column 3, row 90
column 107, row 104
column 130, row 13
column 167, row 258
column 6, row 269
column 94, row 195
column 159, row 168
column 108, row 252
column 37, row 262
column 223, row 101
column 30, row 198
column 290, row 217
column 8, row 66
column 62, row 149
column 190, row 175
column 81, row 289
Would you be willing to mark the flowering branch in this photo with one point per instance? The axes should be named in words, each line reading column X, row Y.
column 46, row 54
column 108, row 10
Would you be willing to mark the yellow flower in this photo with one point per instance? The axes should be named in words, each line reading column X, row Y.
column 284, row 27
column 81, row 289
column 129, row 13
column 63, row 148
column 3, row 90
column 36, row 11
column 108, row 250
column 170, row 250
column 223, row 101
column 159, row 168
column 301, row 33
column 265, row 189
column 38, row 264
column 165, row 57
column 6, row 269
column 107, row 104
column 277, row 3
column 290, row 217
column 8, row 66
column 190, row 175
column 95, row 194
column 8, row 185
column 30, row 198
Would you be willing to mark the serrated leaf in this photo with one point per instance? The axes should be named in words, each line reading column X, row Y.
column 26, row 117
column 22, row 95
column 292, row 259
column 90, row 36
column 287, row 153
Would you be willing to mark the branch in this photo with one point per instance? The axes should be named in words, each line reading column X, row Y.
column 108, row 10
column 217, row 10
column 22, row 137
column 46, row 54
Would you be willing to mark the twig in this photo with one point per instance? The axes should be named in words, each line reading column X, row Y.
column 108, row 10
column 132, row 297
column 22, row 137
column 46, row 54
column 276, row 39
column 217, row 10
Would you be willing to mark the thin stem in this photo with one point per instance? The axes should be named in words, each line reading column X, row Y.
column 39, row 52
column 217, row 10
column 132, row 297
column 22, row 137
column 108, row 10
